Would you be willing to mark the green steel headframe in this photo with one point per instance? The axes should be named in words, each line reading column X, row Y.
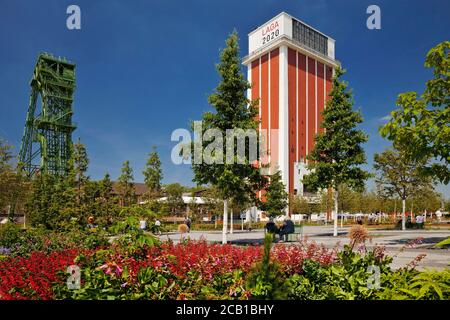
column 47, row 138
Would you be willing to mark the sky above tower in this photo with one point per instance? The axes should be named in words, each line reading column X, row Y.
column 145, row 68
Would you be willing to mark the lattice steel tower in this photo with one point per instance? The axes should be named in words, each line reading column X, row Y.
column 47, row 138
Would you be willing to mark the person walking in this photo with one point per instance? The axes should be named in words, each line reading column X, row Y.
column 188, row 223
column 157, row 227
column 142, row 224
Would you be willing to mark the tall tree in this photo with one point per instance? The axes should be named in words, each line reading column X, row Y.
column 232, row 111
column 421, row 125
column 125, row 184
column 5, row 173
column 399, row 175
column 300, row 205
column 338, row 152
column 174, row 193
column 64, row 199
column 106, row 188
column 427, row 200
column 80, row 162
column 276, row 196
column 14, row 185
column 108, row 201
column 153, row 174
column 40, row 205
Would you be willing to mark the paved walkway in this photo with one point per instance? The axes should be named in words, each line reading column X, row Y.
column 393, row 240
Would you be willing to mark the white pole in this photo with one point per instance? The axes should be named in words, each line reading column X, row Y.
column 231, row 220
column 335, row 229
column 225, row 221
column 403, row 214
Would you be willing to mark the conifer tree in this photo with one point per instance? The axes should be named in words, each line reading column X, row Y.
column 232, row 110
column 276, row 196
column 126, row 186
column 338, row 152
column 153, row 174
column 81, row 162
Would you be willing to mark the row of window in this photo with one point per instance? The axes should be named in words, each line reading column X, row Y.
column 309, row 37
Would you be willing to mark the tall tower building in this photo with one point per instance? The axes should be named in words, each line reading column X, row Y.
column 290, row 66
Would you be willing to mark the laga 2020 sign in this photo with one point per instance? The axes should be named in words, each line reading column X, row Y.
column 273, row 29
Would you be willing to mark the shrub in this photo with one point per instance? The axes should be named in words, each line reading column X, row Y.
column 410, row 284
column 346, row 279
column 9, row 234
column 266, row 281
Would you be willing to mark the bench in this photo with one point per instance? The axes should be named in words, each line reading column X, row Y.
column 297, row 235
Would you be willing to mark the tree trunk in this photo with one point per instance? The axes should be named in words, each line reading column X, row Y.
column 403, row 214
column 335, row 229
column 231, row 221
column 225, row 221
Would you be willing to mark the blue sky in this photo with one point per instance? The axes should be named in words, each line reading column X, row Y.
column 145, row 68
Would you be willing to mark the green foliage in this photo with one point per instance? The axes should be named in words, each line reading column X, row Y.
column 5, row 156
column 130, row 239
column 153, row 174
column 276, row 196
column 14, row 185
column 345, row 280
column 81, row 163
column 24, row 242
column 444, row 243
column 300, row 205
column 40, row 207
column 409, row 284
column 126, row 187
column 265, row 281
column 338, row 152
column 421, row 123
column 174, row 194
column 9, row 234
column 232, row 110
column 399, row 175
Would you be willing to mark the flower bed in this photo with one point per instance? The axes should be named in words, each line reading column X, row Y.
column 137, row 267
column 34, row 277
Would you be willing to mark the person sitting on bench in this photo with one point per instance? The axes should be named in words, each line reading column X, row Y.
column 286, row 228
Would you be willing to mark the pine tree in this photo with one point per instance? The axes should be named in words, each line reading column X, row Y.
column 108, row 201
column 40, row 204
column 337, row 153
column 81, row 163
column 232, row 110
column 64, row 199
column 126, row 186
column 153, row 174
column 14, row 185
column 106, row 187
column 276, row 196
